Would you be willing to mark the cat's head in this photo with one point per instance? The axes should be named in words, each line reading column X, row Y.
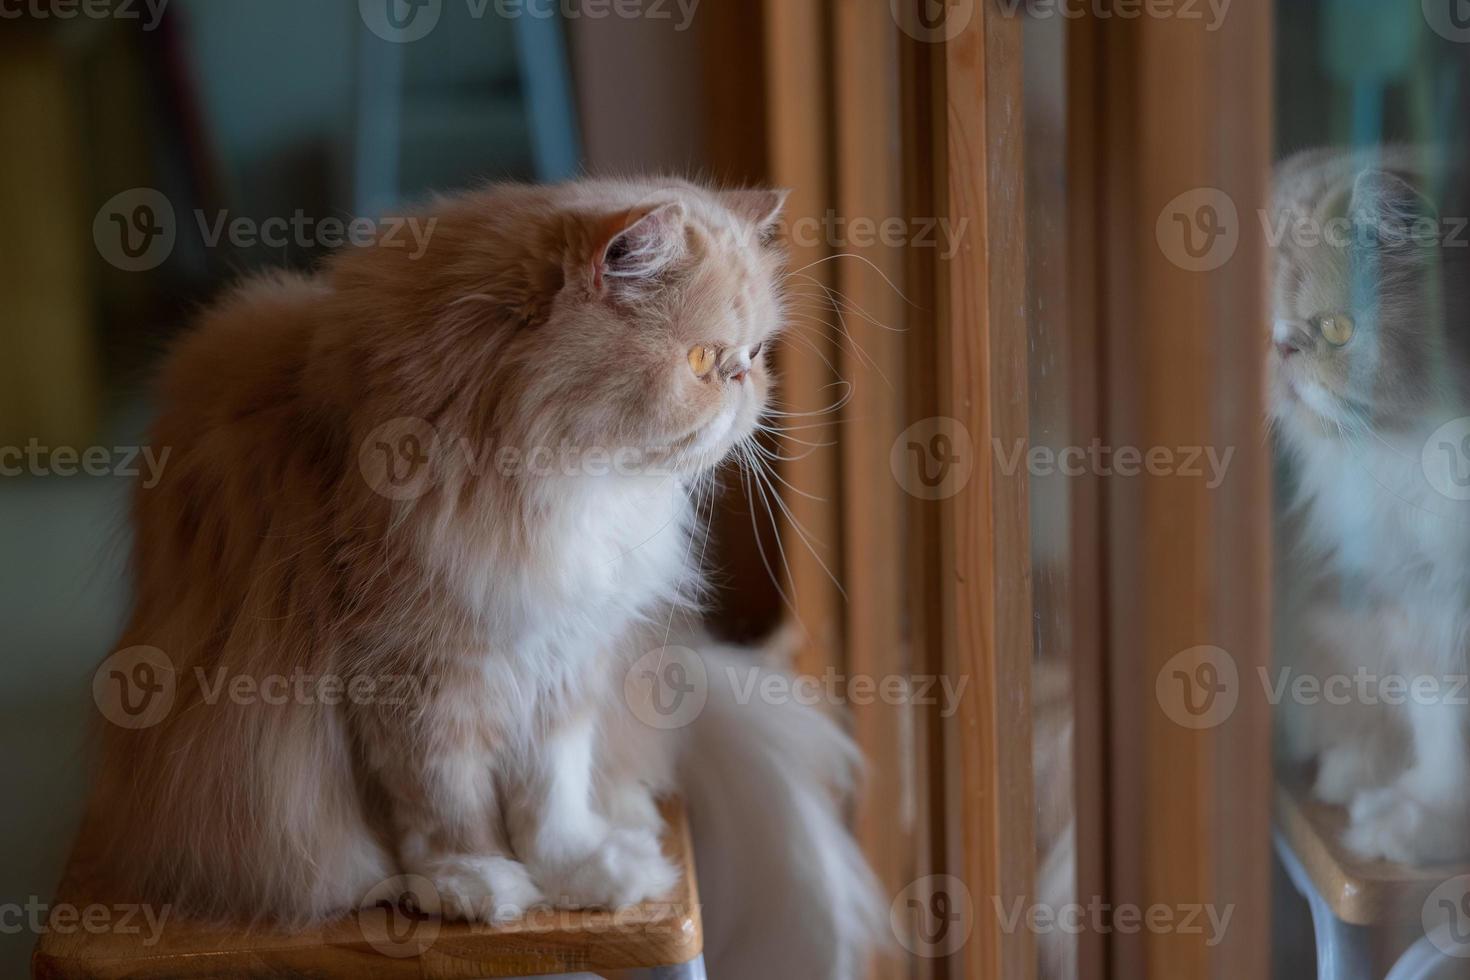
column 617, row 326
column 1356, row 337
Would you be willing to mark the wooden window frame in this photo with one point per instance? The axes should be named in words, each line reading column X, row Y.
column 865, row 119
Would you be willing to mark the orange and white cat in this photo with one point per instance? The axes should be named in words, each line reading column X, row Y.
column 1370, row 402
column 475, row 472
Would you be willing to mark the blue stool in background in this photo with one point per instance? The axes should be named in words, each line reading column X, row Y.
column 477, row 97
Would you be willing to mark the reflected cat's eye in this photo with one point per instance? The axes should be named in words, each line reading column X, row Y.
column 1336, row 328
column 701, row 359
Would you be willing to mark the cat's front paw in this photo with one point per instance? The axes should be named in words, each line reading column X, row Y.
column 1392, row 824
column 628, row 867
column 479, row 889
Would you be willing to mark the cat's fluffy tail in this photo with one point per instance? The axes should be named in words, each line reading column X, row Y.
column 785, row 889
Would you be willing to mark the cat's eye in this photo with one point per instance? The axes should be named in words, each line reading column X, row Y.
column 701, row 359
column 1336, row 328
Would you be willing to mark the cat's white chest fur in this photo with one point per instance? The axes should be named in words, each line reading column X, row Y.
column 607, row 553
column 1374, row 506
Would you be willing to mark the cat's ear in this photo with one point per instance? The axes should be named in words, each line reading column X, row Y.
column 761, row 208
column 1391, row 214
column 638, row 246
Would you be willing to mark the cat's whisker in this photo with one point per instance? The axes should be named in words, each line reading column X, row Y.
column 844, row 333
column 842, row 301
column 781, row 432
column 794, row 337
column 805, row 536
column 853, row 255
column 751, row 494
column 836, row 406
column 772, row 471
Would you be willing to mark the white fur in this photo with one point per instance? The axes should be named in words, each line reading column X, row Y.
column 1369, row 514
column 786, row 892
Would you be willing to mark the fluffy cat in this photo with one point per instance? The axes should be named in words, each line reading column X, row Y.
column 1366, row 365
column 469, row 479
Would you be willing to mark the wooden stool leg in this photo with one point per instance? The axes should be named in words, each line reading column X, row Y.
column 1343, row 951
column 693, row 970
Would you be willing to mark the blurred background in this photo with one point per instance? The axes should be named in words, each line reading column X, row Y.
column 155, row 150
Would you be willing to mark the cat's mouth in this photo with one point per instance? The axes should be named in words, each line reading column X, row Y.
column 714, row 439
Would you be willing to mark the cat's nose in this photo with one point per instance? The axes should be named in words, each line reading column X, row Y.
column 735, row 364
column 1286, row 348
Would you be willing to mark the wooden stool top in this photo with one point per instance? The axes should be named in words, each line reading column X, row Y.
column 372, row 943
column 1359, row 892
